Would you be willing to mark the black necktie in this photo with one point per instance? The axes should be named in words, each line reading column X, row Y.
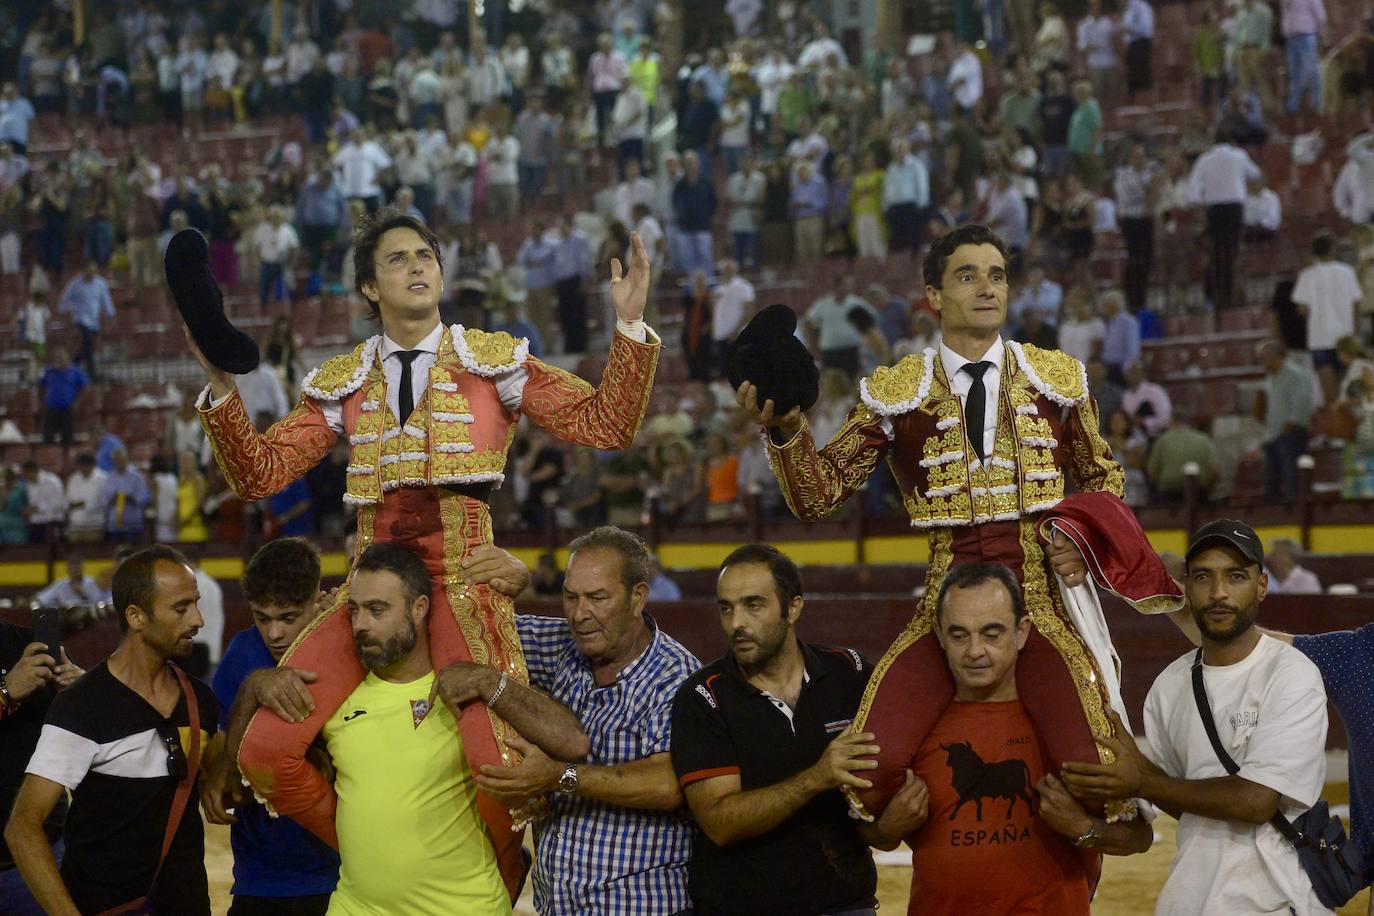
column 976, row 405
column 407, row 395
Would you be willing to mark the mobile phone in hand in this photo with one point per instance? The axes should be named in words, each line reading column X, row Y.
column 47, row 629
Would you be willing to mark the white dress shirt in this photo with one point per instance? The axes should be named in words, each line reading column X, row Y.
column 68, row 592
column 1219, row 176
column 961, row 382
column 47, row 501
column 83, row 501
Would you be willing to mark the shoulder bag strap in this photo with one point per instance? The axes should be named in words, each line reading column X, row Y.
column 1204, row 709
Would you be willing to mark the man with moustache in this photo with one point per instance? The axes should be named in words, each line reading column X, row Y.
column 120, row 740
column 411, row 839
column 761, row 744
column 1269, row 708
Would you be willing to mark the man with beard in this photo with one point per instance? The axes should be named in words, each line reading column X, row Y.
column 761, row 746
column 1269, row 709
column 122, row 740
column 410, row 836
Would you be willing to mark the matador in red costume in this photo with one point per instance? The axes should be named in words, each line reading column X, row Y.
column 429, row 413
column 987, row 438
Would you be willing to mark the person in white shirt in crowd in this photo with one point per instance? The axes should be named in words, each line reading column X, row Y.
column 772, row 74
column 744, row 14
column 820, row 49
column 502, row 156
column 1138, row 31
column 906, row 196
column 264, row 396
column 47, row 500
column 300, row 55
column 1097, row 42
column 458, row 170
column 734, row 130
column 276, row 243
column 1137, row 185
column 964, row 81
column 1353, row 193
column 1004, row 212
column 1326, row 294
column 896, row 91
column 630, row 123
column 360, row 162
column 810, row 145
column 193, row 66
column 669, row 173
column 1286, row 574
column 744, row 193
column 75, row 590
column 1269, row 708
column 1146, row 403
column 1263, row 213
column 633, row 189
column 558, row 68
column 415, row 170
column 829, row 330
column 224, row 62
column 650, row 232
column 1217, row 183
column 85, row 514
column 732, row 304
column 486, row 74
column 607, row 74
column 1039, row 293
column 1080, row 331
column 211, row 604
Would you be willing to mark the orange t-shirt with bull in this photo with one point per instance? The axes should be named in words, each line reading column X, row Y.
column 982, row 848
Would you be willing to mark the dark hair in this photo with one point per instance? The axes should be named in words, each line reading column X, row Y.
column 786, row 576
column 860, row 318
column 85, row 458
column 1322, row 244
column 969, row 575
column 135, row 579
column 634, row 555
column 28, row 465
column 368, row 235
column 283, row 573
column 389, row 556
column 933, row 271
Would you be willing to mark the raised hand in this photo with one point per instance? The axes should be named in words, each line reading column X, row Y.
column 630, row 292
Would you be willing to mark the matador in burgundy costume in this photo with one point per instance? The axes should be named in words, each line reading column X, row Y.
column 425, row 447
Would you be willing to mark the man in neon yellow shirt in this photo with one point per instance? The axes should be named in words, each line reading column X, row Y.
column 644, row 71
column 410, row 837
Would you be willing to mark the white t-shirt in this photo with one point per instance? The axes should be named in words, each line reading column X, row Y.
column 275, row 243
column 734, row 124
column 502, row 155
column 727, row 313
column 35, row 319
column 1270, row 714
column 650, row 233
column 83, row 501
column 1079, row 338
column 1330, row 290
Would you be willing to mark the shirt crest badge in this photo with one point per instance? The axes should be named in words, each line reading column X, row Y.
column 418, row 710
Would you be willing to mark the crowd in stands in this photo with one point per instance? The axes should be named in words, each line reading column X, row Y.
column 764, row 155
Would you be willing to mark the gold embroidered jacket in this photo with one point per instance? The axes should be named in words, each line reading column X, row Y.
column 1047, row 425
column 460, row 429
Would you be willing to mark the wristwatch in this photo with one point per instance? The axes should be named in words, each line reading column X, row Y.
column 1089, row 839
column 567, row 783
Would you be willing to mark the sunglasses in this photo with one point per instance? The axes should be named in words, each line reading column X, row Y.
column 176, row 757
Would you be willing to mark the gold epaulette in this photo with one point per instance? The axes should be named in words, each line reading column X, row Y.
column 900, row 388
column 1053, row 373
column 489, row 353
column 343, row 374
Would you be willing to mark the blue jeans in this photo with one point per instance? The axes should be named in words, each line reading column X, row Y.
column 531, row 178
column 746, row 248
column 1300, row 54
column 698, row 253
column 731, row 155
column 15, row 897
column 99, row 245
column 270, row 282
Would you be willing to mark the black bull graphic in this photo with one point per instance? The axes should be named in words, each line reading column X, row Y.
column 975, row 779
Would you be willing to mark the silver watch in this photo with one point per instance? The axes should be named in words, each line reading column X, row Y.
column 1090, row 839
column 567, row 783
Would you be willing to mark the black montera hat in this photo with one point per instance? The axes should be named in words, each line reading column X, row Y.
column 187, row 266
column 768, row 354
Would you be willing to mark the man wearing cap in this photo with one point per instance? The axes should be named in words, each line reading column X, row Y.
column 983, row 435
column 1269, row 709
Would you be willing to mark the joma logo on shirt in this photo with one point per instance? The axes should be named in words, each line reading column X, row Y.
column 1243, row 719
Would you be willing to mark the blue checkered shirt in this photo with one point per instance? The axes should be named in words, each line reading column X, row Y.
column 592, row 857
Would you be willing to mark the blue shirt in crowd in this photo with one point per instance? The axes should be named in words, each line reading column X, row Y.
column 61, row 386
column 1121, row 342
column 574, row 258
column 1346, row 661
column 15, row 116
column 319, row 206
column 809, row 197
column 105, row 449
column 293, row 495
column 86, row 301
column 273, row 857
column 537, row 257
column 126, row 516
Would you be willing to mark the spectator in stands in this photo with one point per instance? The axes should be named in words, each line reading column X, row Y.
column 321, row 213
column 1097, row 42
column 580, row 493
column 14, row 508
column 123, row 500
column 186, row 199
column 1302, row 23
column 963, row 153
column 828, row 328
column 571, row 271
column 1209, row 57
column 1326, row 294
column 868, row 228
column 1055, row 113
column 1353, row 193
column 634, row 188
column 502, row 158
column 1040, row 293
column 506, row 309
column 534, row 132
column 86, row 515
column 16, row 112
column 360, row 162
column 1242, row 116
column 1052, row 42
column 1146, row 403
column 906, row 194
column 47, row 502
column 722, row 741
column 1137, row 185
column 1004, row 212
column 1217, row 183
column 142, row 220
column 162, row 499
column 61, row 385
column 1138, row 31
column 1121, row 338
column 1263, row 213
column 538, row 257
column 190, row 496
column 1287, row 411
column 1181, row 445
column 607, row 72
column 1252, row 29
column 1084, row 139
column 1080, row 332
column 694, row 207
column 732, row 304
column 87, row 300
column 129, row 709
column 964, row 80
column 276, row 243
column 1286, row 574
column 30, row 672
column 106, row 444
column 744, row 192
column 810, row 196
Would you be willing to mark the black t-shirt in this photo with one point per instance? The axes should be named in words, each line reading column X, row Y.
column 815, row 862
column 105, row 743
column 19, row 735
column 1055, row 112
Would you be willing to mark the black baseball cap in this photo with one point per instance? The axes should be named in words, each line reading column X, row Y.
column 1232, row 533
